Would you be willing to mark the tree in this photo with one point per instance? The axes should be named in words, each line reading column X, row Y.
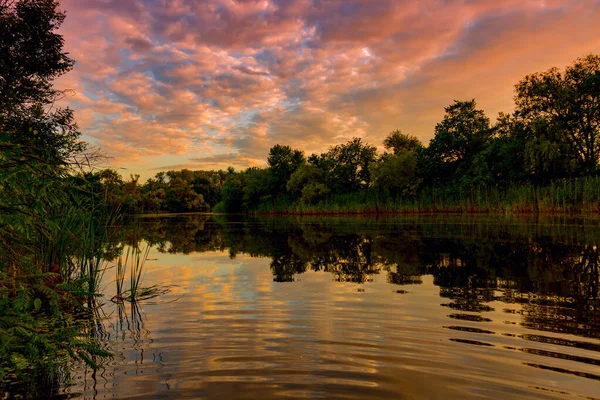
column 302, row 176
column 52, row 223
column 395, row 174
column 397, row 141
column 31, row 57
column 307, row 182
column 346, row 166
column 36, row 140
column 232, row 194
column 569, row 104
column 256, row 187
column 459, row 137
column 505, row 153
column 181, row 197
column 283, row 161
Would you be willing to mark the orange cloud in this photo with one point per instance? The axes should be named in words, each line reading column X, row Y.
column 219, row 82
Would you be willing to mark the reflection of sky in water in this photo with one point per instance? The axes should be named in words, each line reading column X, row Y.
column 234, row 332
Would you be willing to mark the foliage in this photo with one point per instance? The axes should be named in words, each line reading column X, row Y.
column 52, row 221
column 308, row 183
column 283, row 161
column 31, row 56
column 313, row 192
column 459, row 137
column 232, row 194
column 346, row 166
column 398, row 142
column 395, row 174
column 171, row 191
column 569, row 105
column 257, row 187
column 42, row 325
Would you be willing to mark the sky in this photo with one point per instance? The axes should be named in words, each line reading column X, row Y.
column 172, row 84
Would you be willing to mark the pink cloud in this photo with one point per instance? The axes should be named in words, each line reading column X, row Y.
column 222, row 81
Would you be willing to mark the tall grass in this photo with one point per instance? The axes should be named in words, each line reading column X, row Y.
column 50, row 266
column 133, row 260
column 565, row 196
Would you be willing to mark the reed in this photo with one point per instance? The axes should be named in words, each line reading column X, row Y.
column 133, row 261
column 51, row 254
column 564, row 196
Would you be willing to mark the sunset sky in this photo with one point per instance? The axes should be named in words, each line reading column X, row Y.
column 171, row 84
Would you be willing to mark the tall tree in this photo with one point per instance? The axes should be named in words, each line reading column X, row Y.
column 568, row 104
column 31, row 57
column 283, row 161
column 459, row 138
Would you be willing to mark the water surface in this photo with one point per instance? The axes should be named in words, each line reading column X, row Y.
column 358, row 308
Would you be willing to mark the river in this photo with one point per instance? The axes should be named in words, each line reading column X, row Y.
column 356, row 308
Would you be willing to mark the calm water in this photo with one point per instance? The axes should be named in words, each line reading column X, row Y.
column 358, row 308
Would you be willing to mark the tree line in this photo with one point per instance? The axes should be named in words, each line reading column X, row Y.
column 543, row 153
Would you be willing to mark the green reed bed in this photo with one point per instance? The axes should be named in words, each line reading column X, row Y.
column 51, row 232
column 565, row 196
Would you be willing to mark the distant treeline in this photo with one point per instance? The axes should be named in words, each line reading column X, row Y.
column 542, row 157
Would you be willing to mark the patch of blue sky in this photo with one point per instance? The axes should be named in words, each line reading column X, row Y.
column 90, row 139
column 209, row 131
column 247, row 117
column 264, row 55
column 294, row 93
column 210, row 102
column 290, row 104
column 237, row 55
column 128, row 61
column 106, row 118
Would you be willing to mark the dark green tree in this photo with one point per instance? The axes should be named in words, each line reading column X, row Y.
column 232, row 194
column 31, row 57
column 564, row 108
column 257, row 187
column 308, row 183
column 51, row 220
column 283, row 161
column 505, row 153
column 397, row 141
column 346, row 166
column 395, row 174
column 459, row 138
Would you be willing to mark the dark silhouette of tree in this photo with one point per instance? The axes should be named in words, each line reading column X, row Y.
column 346, row 166
column 283, row 161
column 565, row 108
column 452, row 154
column 31, row 57
column 397, row 142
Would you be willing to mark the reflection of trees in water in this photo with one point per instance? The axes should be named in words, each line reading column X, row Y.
column 552, row 277
column 401, row 257
column 565, row 298
column 348, row 258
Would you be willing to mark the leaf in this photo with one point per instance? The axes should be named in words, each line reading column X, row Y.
column 37, row 304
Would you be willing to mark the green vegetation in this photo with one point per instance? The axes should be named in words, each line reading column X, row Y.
column 58, row 214
column 541, row 158
column 55, row 222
